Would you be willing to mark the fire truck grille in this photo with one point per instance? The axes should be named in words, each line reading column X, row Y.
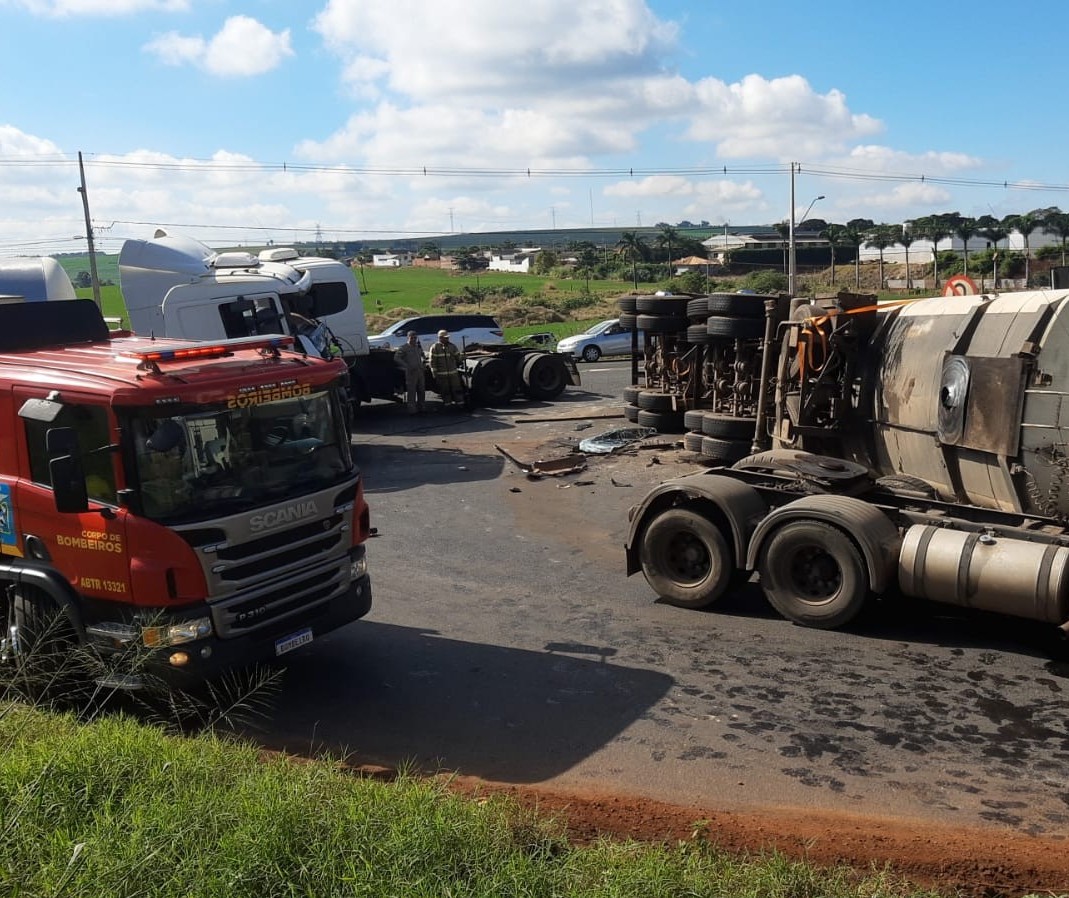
column 305, row 551
column 291, row 600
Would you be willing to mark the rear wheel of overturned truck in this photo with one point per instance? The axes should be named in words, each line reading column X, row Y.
column 813, row 574
column 686, row 558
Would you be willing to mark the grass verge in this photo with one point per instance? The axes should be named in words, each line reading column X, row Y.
column 116, row 808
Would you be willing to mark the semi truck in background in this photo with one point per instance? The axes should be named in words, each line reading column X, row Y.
column 177, row 287
column 194, row 504
column 918, row 448
column 35, row 279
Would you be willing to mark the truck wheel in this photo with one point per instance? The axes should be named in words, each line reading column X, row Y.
column 735, row 328
column 543, row 376
column 737, row 305
column 45, row 646
column 686, row 559
column 663, row 422
column 813, row 574
column 493, row 382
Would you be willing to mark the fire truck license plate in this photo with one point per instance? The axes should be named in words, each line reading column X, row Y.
column 293, row 641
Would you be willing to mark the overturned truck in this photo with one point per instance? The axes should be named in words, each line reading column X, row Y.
column 919, row 447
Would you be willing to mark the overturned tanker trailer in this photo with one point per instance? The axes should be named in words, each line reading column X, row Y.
column 920, row 446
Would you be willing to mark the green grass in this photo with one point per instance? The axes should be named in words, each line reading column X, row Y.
column 119, row 809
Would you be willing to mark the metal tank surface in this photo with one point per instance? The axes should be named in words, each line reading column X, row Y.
column 969, row 393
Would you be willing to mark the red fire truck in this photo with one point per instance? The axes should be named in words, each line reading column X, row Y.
column 197, row 502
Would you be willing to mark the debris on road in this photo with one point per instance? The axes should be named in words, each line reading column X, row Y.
column 554, row 467
column 612, row 440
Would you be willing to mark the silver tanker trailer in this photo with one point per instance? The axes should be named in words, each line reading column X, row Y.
column 921, row 446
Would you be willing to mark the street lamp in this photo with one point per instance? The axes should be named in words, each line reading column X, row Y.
column 792, row 262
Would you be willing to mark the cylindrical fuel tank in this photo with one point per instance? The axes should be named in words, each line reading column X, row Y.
column 971, row 394
column 974, row 570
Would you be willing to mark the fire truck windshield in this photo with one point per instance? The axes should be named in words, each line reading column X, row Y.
column 222, row 459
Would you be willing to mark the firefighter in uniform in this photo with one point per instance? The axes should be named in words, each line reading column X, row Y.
column 445, row 362
column 410, row 359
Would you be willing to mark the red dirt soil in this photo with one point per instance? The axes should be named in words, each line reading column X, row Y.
column 972, row 863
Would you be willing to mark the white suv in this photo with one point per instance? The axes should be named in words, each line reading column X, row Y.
column 464, row 330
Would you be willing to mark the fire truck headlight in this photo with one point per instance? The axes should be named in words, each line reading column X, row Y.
column 176, row 634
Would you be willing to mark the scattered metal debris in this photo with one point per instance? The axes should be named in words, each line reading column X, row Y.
column 554, row 467
column 565, row 486
column 618, row 438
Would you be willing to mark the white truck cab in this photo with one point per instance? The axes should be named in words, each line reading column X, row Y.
column 174, row 286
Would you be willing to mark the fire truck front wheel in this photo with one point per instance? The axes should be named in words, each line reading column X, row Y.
column 43, row 643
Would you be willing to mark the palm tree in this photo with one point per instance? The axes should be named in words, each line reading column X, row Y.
column 934, row 228
column 664, row 239
column 1057, row 222
column 964, row 228
column 783, row 228
column 992, row 230
column 881, row 237
column 834, row 234
column 907, row 239
column 1025, row 224
column 854, row 235
column 635, row 247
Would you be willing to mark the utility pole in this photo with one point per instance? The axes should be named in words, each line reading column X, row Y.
column 89, row 234
column 791, row 262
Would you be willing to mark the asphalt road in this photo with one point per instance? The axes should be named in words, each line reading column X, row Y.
column 506, row 643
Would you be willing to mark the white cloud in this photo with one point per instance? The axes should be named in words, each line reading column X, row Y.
column 781, row 118
column 63, row 8
column 243, row 47
column 491, row 49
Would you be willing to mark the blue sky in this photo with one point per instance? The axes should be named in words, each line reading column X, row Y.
column 242, row 122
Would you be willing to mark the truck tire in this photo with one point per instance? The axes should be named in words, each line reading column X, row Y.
column 692, row 442
column 738, row 305
column 658, row 401
column 692, row 418
column 728, row 427
column 662, row 422
column 813, row 574
column 543, row 376
column 47, row 646
column 662, row 305
column 686, row 559
column 725, row 451
column 493, row 382
column 627, row 304
column 735, row 328
column 698, row 308
column 698, row 334
column 661, row 324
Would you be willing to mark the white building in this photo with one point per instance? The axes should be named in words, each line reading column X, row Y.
column 519, row 261
column 391, row 260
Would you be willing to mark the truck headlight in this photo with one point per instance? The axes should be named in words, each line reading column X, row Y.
column 176, row 634
column 357, row 566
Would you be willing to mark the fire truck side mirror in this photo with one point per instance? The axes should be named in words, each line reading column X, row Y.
column 66, row 470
